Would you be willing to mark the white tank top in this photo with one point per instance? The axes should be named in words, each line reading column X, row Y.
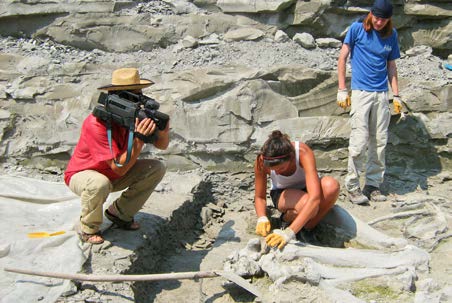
column 296, row 180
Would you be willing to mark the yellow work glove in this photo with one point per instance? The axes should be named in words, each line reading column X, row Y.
column 343, row 99
column 398, row 104
column 280, row 237
column 263, row 226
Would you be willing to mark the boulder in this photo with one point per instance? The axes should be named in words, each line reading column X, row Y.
column 243, row 34
column 328, row 42
column 281, row 36
column 253, row 6
column 306, row 40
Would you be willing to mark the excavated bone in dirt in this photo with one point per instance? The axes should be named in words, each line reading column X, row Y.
column 308, row 270
column 422, row 219
column 438, row 240
column 359, row 231
column 317, row 265
column 361, row 258
column 400, row 215
column 332, row 268
column 428, row 228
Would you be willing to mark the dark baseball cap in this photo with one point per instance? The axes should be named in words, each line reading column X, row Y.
column 382, row 9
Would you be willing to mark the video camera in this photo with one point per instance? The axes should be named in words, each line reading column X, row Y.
column 123, row 107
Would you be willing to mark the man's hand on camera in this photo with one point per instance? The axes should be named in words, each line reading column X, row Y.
column 144, row 129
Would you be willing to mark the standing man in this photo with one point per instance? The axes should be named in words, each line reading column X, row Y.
column 104, row 163
column 373, row 48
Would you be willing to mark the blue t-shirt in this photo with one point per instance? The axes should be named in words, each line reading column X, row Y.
column 369, row 56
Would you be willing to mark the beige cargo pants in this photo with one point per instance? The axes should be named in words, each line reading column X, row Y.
column 369, row 121
column 94, row 188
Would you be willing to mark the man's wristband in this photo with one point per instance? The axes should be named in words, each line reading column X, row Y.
column 396, row 96
column 147, row 139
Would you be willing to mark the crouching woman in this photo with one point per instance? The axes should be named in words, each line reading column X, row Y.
column 296, row 189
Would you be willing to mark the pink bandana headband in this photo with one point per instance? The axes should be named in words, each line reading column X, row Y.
column 276, row 157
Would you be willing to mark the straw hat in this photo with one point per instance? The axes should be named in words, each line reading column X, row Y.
column 126, row 79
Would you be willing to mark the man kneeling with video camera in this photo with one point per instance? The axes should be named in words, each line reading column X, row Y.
column 105, row 158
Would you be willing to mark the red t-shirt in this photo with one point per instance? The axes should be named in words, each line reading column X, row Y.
column 92, row 150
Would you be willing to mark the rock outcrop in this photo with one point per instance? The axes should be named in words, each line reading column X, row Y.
column 114, row 26
column 222, row 106
column 228, row 73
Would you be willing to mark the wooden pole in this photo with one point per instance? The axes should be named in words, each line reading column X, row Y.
column 149, row 277
column 118, row 278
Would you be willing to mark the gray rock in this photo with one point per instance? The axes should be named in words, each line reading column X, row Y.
column 189, row 42
column 306, row 40
column 281, row 36
column 306, row 11
column 328, row 42
column 428, row 10
column 243, row 34
column 4, row 114
column 183, row 6
column 211, row 39
column 419, row 50
column 252, row 6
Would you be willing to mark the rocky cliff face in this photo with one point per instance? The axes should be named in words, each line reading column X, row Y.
column 227, row 72
column 104, row 24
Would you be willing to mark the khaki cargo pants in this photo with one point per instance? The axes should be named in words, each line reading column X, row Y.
column 369, row 121
column 94, row 188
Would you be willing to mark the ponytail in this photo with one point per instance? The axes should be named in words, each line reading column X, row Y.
column 276, row 150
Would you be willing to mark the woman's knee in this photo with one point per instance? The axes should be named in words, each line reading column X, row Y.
column 289, row 215
column 330, row 187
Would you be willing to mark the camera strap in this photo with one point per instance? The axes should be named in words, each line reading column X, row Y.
column 129, row 144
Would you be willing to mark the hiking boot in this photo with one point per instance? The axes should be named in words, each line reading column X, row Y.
column 357, row 197
column 373, row 194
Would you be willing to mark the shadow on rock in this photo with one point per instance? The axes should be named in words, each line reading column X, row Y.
column 336, row 229
column 411, row 155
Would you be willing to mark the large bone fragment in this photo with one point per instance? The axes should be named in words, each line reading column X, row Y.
column 351, row 257
column 336, row 275
column 308, row 270
column 354, row 229
column 400, row 215
column 427, row 229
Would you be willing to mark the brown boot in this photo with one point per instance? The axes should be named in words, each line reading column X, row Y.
column 357, row 197
column 373, row 194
